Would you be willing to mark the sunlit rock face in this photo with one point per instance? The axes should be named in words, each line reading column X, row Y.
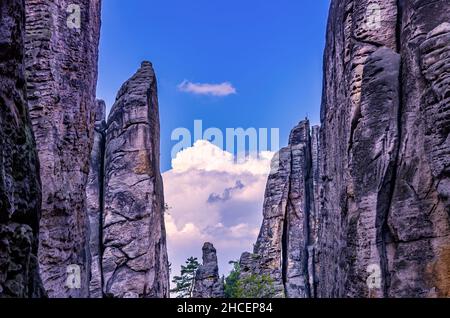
column 134, row 261
column 281, row 251
column 20, row 187
column 208, row 283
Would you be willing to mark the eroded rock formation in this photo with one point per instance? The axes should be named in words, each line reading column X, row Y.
column 379, row 219
column 208, row 283
column 282, row 249
column 134, row 260
column 20, row 188
column 61, row 63
column 419, row 216
column 95, row 240
column 385, row 150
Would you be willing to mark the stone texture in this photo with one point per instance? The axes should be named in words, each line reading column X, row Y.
column 384, row 222
column 208, row 283
column 135, row 260
column 61, row 64
column 374, row 220
column 20, row 188
column 419, row 215
column 365, row 178
column 314, row 211
column 372, row 163
column 281, row 250
column 94, row 197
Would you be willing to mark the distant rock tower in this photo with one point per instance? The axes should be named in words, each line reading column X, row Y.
column 285, row 246
column 208, row 284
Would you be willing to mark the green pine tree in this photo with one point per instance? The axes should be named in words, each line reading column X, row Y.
column 185, row 283
column 231, row 282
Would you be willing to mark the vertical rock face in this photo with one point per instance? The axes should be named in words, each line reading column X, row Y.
column 281, row 250
column 384, row 212
column 419, row 218
column 358, row 137
column 208, row 283
column 20, row 188
column 369, row 214
column 135, row 260
column 61, row 61
column 94, row 196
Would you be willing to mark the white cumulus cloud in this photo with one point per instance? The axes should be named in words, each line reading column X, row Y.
column 221, row 90
column 205, row 156
column 231, row 221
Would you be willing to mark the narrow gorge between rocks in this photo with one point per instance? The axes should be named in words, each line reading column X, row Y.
column 356, row 207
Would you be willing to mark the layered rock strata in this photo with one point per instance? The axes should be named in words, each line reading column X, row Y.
column 385, row 150
column 134, row 261
column 20, row 187
column 61, row 63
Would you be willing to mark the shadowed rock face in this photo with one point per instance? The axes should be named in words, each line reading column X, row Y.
column 375, row 221
column 359, row 139
column 384, row 216
column 208, row 284
column 135, row 260
column 61, row 64
column 420, row 210
column 20, row 188
column 94, row 196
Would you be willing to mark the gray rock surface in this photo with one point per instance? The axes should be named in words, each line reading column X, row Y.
column 61, row 64
column 419, row 218
column 94, row 197
column 281, row 250
column 20, row 187
column 208, row 283
column 134, row 260
column 384, row 221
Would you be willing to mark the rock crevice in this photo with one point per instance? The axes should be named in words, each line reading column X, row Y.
column 95, row 204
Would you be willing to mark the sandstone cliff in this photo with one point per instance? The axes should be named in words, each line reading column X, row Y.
column 61, row 64
column 378, row 171
column 284, row 241
column 134, row 262
column 359, row 207
column 385, row 150
column 208, row 283
column 20, row 188
column 102, row 227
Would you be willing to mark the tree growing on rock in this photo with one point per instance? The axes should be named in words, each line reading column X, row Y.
column 248, row 286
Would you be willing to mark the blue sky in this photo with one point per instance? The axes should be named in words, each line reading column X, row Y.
column 269, row 51
column 267, row 57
